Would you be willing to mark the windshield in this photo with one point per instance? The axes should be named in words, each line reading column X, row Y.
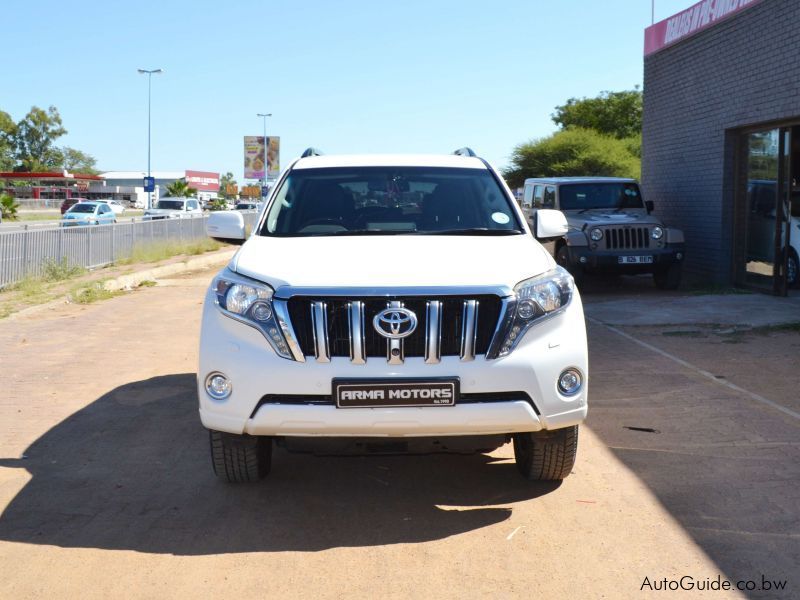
column 390, row 201
column 82, row 208
column 170, row 204
column 614, row 195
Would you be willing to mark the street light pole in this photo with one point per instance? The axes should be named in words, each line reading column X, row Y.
column 266, row 150
column 149, row 73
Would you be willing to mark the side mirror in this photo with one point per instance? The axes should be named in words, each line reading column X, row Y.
column 650, row 206
column 549, row 224
column 226, row 226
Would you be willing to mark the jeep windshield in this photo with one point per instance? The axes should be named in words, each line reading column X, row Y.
column 342, row 201
column 605, row 195
column 170, row 204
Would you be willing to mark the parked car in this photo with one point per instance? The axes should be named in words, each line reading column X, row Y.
column 88, row 213
column 395, row 304
column 69, row 202
column 761, row 227
column 611, row 228
column 172, row 208
column 246, row 206
column 115, row 205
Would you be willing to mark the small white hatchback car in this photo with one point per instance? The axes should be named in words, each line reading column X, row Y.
column 395, row 304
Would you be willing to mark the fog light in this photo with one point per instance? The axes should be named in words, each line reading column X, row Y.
column 261, row 311
column 218, row 386
column 569, row 382
column 582, row 259
column 679, row 256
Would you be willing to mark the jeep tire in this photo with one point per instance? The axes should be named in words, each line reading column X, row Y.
column 546, row 455
column 240, row 458
column 668, row 278
column 562, row 258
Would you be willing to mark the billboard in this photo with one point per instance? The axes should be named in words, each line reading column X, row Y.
column 255, row 164
column 688, row 22
column 203, row 181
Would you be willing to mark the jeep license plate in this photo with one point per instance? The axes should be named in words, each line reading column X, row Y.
column 378, row 393
column 635, row 260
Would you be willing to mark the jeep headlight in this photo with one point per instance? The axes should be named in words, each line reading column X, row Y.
column 535, row 299
column 657, row 233
column 596, row 234
column 251, row 303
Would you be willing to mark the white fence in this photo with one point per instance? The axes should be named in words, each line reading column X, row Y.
column 25, row 253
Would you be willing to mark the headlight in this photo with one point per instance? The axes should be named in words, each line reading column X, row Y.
column 535, row 299
column 657, row 233
column 251, row 302
column 596, row 234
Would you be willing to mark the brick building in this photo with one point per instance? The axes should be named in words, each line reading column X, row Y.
column 721, row 137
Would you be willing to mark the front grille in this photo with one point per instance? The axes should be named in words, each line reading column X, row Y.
column 627, row 238
column 465, row 326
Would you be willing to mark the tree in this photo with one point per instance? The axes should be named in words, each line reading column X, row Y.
column 224, row 182
column 8, row 207
column 8, row 143
column 76, row 161
column 180, row 189
column 35, row 138
column 618, row 114
column 573, row 152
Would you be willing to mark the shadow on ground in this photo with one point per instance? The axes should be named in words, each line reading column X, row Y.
column 132, row 471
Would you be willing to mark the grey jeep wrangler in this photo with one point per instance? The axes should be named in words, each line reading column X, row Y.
column 611, row 228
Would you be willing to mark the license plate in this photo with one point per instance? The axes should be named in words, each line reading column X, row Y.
column 635, row 260
column 378, row 393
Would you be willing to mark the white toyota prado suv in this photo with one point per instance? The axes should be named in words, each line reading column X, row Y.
column 395, row 304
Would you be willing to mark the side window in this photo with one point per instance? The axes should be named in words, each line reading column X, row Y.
column 192, row 205
column 549, row 200
column 538, row 192
column 527, row 196
column 103, row 209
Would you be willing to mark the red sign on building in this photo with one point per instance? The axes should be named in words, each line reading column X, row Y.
column 203, row 181
column 702, row 15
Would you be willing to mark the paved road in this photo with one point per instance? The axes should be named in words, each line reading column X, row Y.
column 106, row 488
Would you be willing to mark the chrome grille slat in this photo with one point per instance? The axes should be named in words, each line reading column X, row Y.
column 468, row 330
column 355, row 315
column 433, row 332
column 319, row 319
column 394, row 348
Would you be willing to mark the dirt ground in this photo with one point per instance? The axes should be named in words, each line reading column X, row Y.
column 106, row 488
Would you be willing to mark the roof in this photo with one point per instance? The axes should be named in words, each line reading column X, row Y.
column 560, row 180
column 55, row 175
column 142, row 174
column 390, row 160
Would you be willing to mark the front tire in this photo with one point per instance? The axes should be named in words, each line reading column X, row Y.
column 562, row 258
column 240, row 458
column 792, row 269
column 668, row 278
column 546, row 455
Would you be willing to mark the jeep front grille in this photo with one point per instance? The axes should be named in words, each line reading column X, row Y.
column 327, row 327
column 627, row 238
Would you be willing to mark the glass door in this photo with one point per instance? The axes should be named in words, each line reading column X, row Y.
column 767, row 198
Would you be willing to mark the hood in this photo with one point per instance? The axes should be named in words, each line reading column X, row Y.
column 162, row 211
column 609, row 217
column 391, row 261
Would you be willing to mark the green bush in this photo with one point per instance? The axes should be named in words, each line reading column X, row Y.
column 9, row 207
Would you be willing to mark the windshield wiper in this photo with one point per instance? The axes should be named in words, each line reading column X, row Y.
column 473, row 231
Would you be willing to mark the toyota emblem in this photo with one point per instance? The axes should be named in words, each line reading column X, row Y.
column 395, row 323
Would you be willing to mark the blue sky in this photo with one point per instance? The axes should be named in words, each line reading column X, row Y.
column 346, row 77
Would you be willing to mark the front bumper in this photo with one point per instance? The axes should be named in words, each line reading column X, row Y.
column 608, row 260
column 530, row 371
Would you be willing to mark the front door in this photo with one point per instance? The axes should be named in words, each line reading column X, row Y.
column 763, row 233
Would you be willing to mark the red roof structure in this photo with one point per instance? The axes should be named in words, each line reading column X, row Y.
column 49, row 176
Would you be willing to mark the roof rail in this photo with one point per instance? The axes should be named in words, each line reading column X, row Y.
column 465, row 151
column 311, row 152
